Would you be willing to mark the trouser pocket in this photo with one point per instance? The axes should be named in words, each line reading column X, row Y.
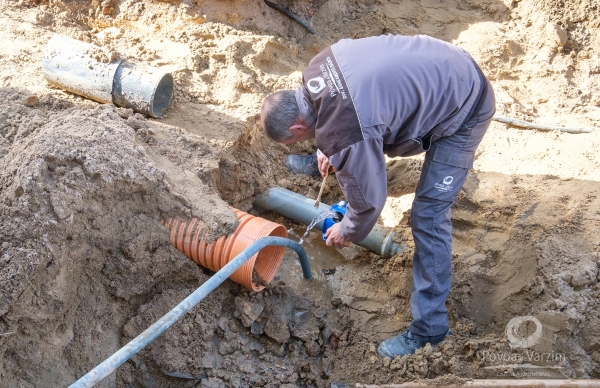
column 444, row 172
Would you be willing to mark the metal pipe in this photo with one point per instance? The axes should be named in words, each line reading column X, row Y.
column 127, row 351
column 301, row 209
column 499, row 383
column 70, row 64
column 541, row 127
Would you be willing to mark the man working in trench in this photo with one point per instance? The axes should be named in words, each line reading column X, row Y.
column 397, row 96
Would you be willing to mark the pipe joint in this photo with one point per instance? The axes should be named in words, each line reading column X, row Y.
column 301, row 209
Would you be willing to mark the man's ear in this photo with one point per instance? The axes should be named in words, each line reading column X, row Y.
column 298, row 128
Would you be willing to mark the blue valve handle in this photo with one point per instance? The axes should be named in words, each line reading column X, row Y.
column 340, row 210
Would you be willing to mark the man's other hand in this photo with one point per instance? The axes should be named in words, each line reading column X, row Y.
column 323, row 162
column 335, row 238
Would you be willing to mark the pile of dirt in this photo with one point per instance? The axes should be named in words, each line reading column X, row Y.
column 86, row 264
column 81, row 239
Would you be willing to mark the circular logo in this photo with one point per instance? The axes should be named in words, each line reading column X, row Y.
column 448, row 180
column 516, row 339
column 315, row 85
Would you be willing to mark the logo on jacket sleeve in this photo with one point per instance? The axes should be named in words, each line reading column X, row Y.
column 315, row 85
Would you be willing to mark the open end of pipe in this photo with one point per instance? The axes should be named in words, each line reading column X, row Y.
column 269, row 259
column 162, row 96
column 258, row 270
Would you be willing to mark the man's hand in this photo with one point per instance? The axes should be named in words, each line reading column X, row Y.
column 324, row 165
column 335, row 238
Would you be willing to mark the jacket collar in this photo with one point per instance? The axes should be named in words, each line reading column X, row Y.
column 306, row 110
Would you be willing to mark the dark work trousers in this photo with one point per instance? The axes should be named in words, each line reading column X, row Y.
column 444, row 172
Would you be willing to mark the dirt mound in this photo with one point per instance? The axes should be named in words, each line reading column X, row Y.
column 81, row 238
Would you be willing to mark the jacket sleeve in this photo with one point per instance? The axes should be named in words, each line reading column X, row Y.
column 360, row 170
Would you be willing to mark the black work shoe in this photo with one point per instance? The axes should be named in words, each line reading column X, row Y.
column 407, row 343
column 300, row 164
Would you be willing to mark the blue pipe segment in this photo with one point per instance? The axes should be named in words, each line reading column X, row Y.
column 301, row 209
column 68, row 64
column 150, row 334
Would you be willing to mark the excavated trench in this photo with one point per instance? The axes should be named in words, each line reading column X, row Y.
column 86, row 264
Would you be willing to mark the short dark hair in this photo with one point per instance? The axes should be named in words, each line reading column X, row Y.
column 279, row 112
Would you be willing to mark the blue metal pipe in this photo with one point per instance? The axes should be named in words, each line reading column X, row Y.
column 135, row 345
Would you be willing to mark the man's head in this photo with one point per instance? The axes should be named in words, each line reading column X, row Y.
column 281, row 120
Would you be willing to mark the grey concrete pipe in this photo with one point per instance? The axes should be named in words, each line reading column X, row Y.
column 301, row 209
column 68, row 64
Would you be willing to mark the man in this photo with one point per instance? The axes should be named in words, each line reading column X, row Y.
column 396, row 96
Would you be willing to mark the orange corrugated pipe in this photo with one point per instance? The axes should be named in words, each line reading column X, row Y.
column 186, row 236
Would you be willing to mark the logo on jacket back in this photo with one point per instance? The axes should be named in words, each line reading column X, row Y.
column 315, row 85
column 330, row 79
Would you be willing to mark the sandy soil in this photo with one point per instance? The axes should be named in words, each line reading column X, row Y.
column 86, row 264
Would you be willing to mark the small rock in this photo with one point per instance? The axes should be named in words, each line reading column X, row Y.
column 256, row 328
column 386, row 362
column 427, row 350
column 313, row 349
column 585, row 274
column 223, row 323
column 230, row 335
column 253, row 345
column 277, row 328
column 248, row 311
column 321, row 312
column 558, row 304
column 276, row 349
column 185, row 329
column 306, row 330
column 399, row 365
column 336, row 302
column 31, row 101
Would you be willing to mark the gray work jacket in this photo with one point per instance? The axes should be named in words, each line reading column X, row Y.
column 381, row 95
